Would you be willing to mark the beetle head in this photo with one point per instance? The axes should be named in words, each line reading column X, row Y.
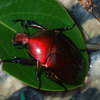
column 20, row 39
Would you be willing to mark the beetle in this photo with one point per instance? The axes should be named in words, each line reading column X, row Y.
column 58, row 55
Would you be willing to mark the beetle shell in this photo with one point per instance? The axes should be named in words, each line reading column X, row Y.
column 57, row 52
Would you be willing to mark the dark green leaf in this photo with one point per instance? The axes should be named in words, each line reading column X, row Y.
column 49, row 14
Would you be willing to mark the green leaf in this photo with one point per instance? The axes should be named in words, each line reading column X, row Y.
column 49, row 14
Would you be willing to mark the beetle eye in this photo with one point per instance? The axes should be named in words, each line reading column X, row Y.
column 23, row 43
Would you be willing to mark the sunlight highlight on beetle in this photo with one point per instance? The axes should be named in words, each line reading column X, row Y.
column 38, row 50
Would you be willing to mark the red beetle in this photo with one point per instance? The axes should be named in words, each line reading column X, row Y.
column 58, row 55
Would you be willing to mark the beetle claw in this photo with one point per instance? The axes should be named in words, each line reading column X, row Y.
column 14, row 21
column 17, row 20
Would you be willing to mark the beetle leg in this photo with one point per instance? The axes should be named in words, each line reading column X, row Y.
column 34, row 24
column 19, row 60
column 64, row 29
column 54, row 78
column 37, row 75
column 31, row 24
column 24, row 27
column 17, row 20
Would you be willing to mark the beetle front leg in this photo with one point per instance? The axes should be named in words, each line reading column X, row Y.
column 31, row 24
column 37, row 75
